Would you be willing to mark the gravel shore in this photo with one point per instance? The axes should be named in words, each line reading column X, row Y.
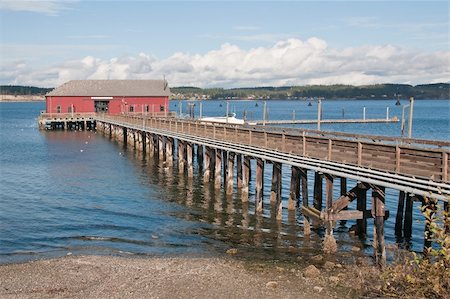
column 155, row 277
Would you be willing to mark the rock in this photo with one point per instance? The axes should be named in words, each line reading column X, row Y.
column 279, row 269
column 329, row 265
column 318, row 289
column 311, row 272
column 338, row 265
column 317, row 258
column 272, row 285
column 333, row 279
column 232, row 251
column 356, row 249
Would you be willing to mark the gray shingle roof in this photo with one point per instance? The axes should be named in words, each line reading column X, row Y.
column 93, row 88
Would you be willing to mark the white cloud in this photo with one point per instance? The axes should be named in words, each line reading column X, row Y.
column 48, row 7
column 287, row 62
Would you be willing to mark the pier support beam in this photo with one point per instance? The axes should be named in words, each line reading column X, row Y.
column 378, row 211
column 294, row 187
column 329, row 243
column 245, row 178
column 361, row 205
column 125, row 135
column 189, row 153
column 407, row 226
column 239, row 170
column 318, row 192
column 259, row 185
column 218, row 169
column 200, row 156
column 207, row 165
column 161, row 147
column 230, row 170
column 169, row 152
column 144, row 142
column 305, row 201
column 275, row 192
column 399, row 216
column 180, row 153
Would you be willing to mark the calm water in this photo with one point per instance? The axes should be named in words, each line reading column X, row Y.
column 80, row 193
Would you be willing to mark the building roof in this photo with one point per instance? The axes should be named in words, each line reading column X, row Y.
column 99, row 88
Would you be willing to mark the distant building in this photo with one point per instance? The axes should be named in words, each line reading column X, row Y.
column 109, row 96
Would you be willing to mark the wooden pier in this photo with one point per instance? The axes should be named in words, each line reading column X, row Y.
column 324, row 121
column 417, row 168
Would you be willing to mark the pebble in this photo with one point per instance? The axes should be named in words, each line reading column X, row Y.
column 311, row 272
column 317, row 258
column 318, row 289
column 355, row 249
column 333, row 279
column 272, row 285
column 232, row 251
column 329, row 265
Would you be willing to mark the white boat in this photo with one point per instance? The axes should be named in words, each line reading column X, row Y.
column 230, row 119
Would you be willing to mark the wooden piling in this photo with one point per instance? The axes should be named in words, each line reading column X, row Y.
column 305, row 201
column 144, row 142
column 245, row 178
column 161, row 147
column 407, row 226
column 125, row 135
column 318, row 192
column 190, row 166
column 399, row 216
column 218, row 169
column 378, row 211
column 180, row 153
column 200, row 156
column 275, row 193
column 293, row 189
column 169, row 152
column 329, row 243
column 239, row 170
column 361, row 205
column 207, row 163
column 447, row 210
column 230, row 170
column 259, row 185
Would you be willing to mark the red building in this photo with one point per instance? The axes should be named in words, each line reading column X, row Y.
column 109, row 96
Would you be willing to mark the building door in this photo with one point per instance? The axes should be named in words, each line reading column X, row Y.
column 101, row 106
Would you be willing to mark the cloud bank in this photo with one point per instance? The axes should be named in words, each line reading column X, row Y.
column 287, row 62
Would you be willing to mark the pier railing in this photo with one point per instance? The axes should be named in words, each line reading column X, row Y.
column 424, row 159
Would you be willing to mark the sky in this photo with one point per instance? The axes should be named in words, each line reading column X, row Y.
column 225, row 44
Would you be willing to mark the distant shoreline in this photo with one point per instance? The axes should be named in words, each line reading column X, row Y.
column 21, row 98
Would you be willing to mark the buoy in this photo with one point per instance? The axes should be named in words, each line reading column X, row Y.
column 81, row 151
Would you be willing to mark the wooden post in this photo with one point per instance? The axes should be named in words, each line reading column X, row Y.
column 161, row 147
column 318, row 193
column 125, row 135
column 224, row 167
column 218, row 169
column 144, row 142
column 329, row 243
column 200, row 156
column 190, row 166
column 447, row 210
column 169, row 152
column 305, row 202
column 230, row 170
column 293, row 188
column 207, row 161
column 239, row 170
column 180, row 153
column 275, row 194
column 407, row 227
column 245, row 178
column 378, row 211
column 259, row 185
column 361, row 205
column 399, row 216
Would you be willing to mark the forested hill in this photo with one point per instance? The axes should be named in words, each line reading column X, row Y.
column 378, row 91
column 22, row 90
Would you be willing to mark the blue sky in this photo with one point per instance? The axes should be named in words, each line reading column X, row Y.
column 227, row 44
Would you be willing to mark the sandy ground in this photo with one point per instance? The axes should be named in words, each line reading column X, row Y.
column 172, row 277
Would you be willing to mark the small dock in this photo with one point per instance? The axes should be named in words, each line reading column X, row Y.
column 323, row 121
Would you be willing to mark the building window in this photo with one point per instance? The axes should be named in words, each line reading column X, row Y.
column 147, row 108
column 131, row 108
column 69, row 109
column 58, row 109
column 161, row 108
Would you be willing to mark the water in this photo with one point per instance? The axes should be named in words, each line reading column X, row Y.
column 80, row 193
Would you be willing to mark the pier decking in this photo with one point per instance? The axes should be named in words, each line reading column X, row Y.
column 417, row 168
